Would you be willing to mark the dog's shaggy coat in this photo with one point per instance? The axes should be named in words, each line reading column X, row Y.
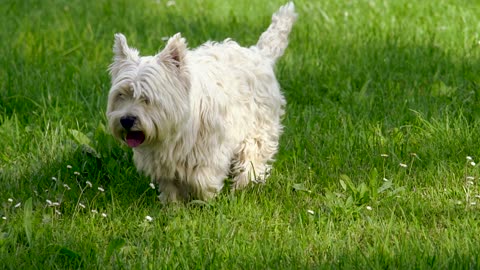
column 196, row 117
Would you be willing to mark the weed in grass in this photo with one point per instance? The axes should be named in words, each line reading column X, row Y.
column 470, row 188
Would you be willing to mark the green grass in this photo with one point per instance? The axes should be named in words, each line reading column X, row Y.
column 362, row 79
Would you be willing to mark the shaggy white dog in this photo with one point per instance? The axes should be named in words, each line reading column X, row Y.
column 196, row 117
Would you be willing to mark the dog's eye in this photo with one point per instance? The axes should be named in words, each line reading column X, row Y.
column 146, row 100
column 120, row 96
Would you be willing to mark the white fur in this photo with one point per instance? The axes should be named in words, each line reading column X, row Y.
column 206, row 114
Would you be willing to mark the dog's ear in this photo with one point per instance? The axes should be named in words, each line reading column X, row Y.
column 175, row 51
column 121, row 49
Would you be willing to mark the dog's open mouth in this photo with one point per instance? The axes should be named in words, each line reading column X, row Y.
column 134, row 138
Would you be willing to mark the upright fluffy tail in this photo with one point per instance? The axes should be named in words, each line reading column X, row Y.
column 274, row 41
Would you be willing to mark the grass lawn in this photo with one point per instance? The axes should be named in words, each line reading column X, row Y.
column 377, row 164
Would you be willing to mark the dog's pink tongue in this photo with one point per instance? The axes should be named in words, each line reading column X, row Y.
column 134, row 138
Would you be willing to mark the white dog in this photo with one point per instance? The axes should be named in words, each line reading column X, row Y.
column 197, row 117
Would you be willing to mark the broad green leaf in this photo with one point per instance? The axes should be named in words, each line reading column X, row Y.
column 114, row 245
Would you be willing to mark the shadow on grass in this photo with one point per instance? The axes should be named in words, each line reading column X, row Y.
column 383, row 80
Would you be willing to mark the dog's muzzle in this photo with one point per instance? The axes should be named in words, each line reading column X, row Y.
column 133, row 138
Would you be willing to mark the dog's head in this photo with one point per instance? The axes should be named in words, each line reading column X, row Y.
column 149, row 95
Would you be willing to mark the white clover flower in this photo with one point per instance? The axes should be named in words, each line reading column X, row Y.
column 4, row 218
column 385, row 179
column 104, row 215
column 469, row 158
column 54, row 178
column 10, row 200
column 69, row 167
column 384, row 155
column 76, row 173
column 49, row 202
column 101, row 189
column 469, row 182
column 89, row 184
column 369, row 208
column 66, row 186
column 152, row 185
column 170, row 3
column 18, row 205
column 472, row 163
column 55, row 204
column 470, row 178
column 81, row 205
column 57, row 212
column 149, row 218
column 403, row 165
column 311, row 212
column 94, row 211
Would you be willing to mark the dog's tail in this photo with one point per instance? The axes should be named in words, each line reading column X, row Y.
column 274, row 41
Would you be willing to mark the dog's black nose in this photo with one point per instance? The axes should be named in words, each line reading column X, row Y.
column 128, row 121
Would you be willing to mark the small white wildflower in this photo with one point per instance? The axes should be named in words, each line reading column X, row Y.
column 10, row 200
column 385, row 179
column 54, row 178
column 76, row 173
column 170, row 3
column 57, row 212
column 458, row 202
column 66, row 186
column 49, row 202
column 311, row 212
column 149, row 218
column 469, row 158
column 55, row 204
column 152, row 185
column 104, row 215
column 473, row 203
column 46, row 190
column 469, row 182
column 414, row 154
column 69, row 167
column 101, row 189
column 18, row 205
column 94, row 211
column 403, row 165
column 4, row 218
column 89, row 184
column 477, row 196
column 81, row 205
column 472, row 163
column 384, row 155
column 369, row 208
column 470, row 178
